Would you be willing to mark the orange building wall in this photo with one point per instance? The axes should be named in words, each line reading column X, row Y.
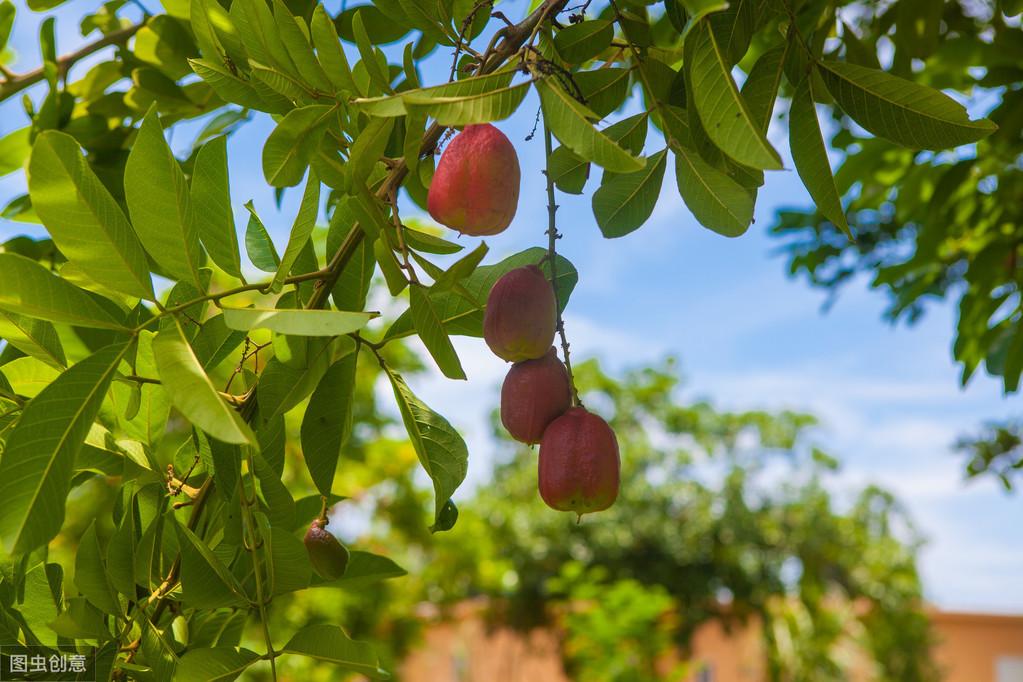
column 463, row 649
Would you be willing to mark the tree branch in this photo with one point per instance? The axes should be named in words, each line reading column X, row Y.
column 15, row 83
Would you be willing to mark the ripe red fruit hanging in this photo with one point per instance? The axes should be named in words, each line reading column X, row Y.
column 579, row 463
column 475, row 188
column 327, row 555
column 521, row 315
column 535, row 393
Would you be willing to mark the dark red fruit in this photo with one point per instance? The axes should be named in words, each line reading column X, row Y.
column 327, row 555
column 579, row 463
column 521, row 315
column 535, row 393
column 475, row 188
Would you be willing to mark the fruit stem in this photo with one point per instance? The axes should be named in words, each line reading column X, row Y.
column 552, row 258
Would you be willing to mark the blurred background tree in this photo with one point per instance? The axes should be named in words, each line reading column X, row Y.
column 725, row 516
column 934, row 225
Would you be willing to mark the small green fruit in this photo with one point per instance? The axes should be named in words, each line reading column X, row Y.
column 327, row 555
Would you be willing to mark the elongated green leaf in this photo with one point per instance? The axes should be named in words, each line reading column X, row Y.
column 377, row 74
column 301, row 229
column 120, row 558
column 456, row 111
column 261, row 37
column 440, row 448
column 84, row 220
column 568, row 170
column 722, row 110
column 279, row 502
column 581, row 42
column 231, row 88
column 367, row 149
column 431, row 330
column 734, row 27
column 718, row 202
column 329, row 643
column 158, row 200
column 14, row 149
column 570, row 122
column 29, row 288
column 282, row 387
column 394, row 105
column 292, row 143
column 205, row 581
column 38, row 458
column 327, row 422
column 192, row 392
column 217, row 664
column 352, row 286
column 604, row 89
column 905, row 112
column 91, row 573
column 211, row 205
column 761, row 87
column 297, row 322
column 811, row 156
column 329, row 52
column 258, row 245
column 37, row 338
column 295, row 36
column 624, row 202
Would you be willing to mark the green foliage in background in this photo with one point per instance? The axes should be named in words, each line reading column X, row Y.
column 157, row 410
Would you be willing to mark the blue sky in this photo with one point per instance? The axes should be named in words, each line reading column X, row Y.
column 745, row 334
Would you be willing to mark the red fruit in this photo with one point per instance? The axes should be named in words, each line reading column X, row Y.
column 579, row 463
column 521, row 315
column 475, row 189
column 535, row 393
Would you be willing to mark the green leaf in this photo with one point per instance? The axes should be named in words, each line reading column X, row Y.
column 231, row 88
column 624, row 202
column 91, row 573
column 581, row 42
column 352, row 286
column 329, row 643
column 761, row 87
column 217, row 664
column 811, row 156
column 301, row 229
column 120, row 558
column 191, row 390
column 258, row 245
column 394, row 105
column 279, row 502
column 293, row 142
column 364, row 568
column 431, row 331
column 37, row 338
column 327, row 422
column 330, row 53
column 211, row 206
column 259, row 33
column 568, row 170
column 205, row 581
column 605, row 89
column 440, row 448
column 367, row 149
column 281, row 387
column 483, row 108
column 294, row 34
column 14, row 148
column 369, row 61
column 7, row 12
column 905, row 112
column 289, row 560
column 722, row 110
column 718, row 202
column 697, row 9
column 465, row 317
column 296, row 321
column 734, row 27
column 570, row 122
column 83, row 219
column 158, row 199
column 38, row 458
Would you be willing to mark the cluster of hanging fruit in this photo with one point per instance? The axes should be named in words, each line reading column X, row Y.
column 475, row 191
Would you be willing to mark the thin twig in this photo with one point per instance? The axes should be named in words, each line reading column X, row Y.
column 552, row 258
